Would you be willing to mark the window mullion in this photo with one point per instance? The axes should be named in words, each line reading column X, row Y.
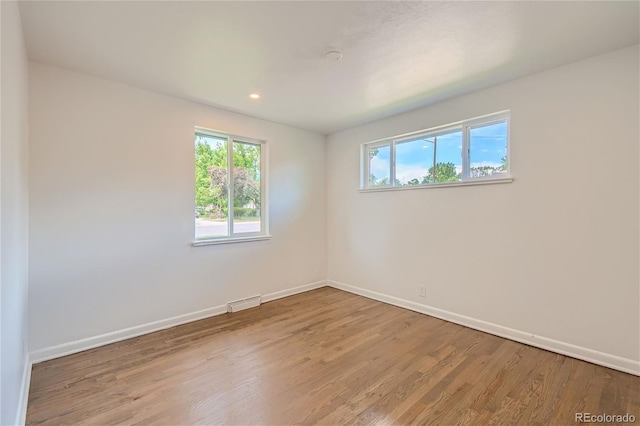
column 465, row 153
column 392, row 163
column 364, row 162
column 230, row 185
column 263, row 190
column 435, row 159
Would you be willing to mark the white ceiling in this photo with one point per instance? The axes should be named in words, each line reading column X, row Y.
column 397, row 55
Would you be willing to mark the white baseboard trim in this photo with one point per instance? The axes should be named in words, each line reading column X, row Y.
column 69, row 348
column 21, row 415
column 76, row 346
column 295, row 290
column 596, row 357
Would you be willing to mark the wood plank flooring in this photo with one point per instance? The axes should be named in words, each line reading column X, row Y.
column 324, row 357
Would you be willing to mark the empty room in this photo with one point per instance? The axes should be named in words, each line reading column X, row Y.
column 320, row 212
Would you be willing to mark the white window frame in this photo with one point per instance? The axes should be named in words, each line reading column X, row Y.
column 465, row 127
column 264, row 196
column 366, row 162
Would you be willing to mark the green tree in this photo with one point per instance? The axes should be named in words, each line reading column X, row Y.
column 210, row 194
column 444, row 172
column 247, row 156
column 246, row 190
column 218, row 179
column 211, row 175
column 205, row 194
column 503, row 166
column 482, row 171
column 246, row 175
column 374, row 181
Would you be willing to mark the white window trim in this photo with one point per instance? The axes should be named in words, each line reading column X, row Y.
column 264, row 192
column 227, row 240
column 470, row 182
column 465, row 126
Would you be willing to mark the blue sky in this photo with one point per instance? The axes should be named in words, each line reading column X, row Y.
column 414, row 157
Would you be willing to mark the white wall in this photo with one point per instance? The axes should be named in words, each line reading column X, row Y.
column 13, row 213
column 554, row 254
column 111, row 209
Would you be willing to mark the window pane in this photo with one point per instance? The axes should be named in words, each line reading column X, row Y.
column 211, row 186
column 246, row 187
column 448, row 157
column 415, row 163
column 488, row 149
column 414, row 158
column 379, row 165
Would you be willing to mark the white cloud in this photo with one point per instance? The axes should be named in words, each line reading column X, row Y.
column 406, row 172
column 379, row 168
column 486, row 163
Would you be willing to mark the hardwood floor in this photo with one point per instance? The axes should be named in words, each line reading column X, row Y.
column 324, row 357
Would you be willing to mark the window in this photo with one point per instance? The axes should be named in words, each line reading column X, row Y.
column 228, row 212
column 470, row 151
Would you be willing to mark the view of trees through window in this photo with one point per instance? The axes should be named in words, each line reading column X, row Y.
column 488, row 149
column 432, row 158
column 214, row 195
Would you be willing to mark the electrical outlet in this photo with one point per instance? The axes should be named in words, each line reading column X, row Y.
column 422, row 291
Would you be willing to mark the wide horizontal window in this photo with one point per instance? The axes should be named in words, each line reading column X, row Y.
column 229, row 186
column 471, row 150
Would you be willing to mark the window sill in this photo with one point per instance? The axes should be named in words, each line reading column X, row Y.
column 216, row 241
column 486, row 181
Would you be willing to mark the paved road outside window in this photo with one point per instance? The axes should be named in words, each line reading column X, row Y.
column 210, row 228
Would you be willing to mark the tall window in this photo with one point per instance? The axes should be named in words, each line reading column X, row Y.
column 229, row 186
column 470, row 150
